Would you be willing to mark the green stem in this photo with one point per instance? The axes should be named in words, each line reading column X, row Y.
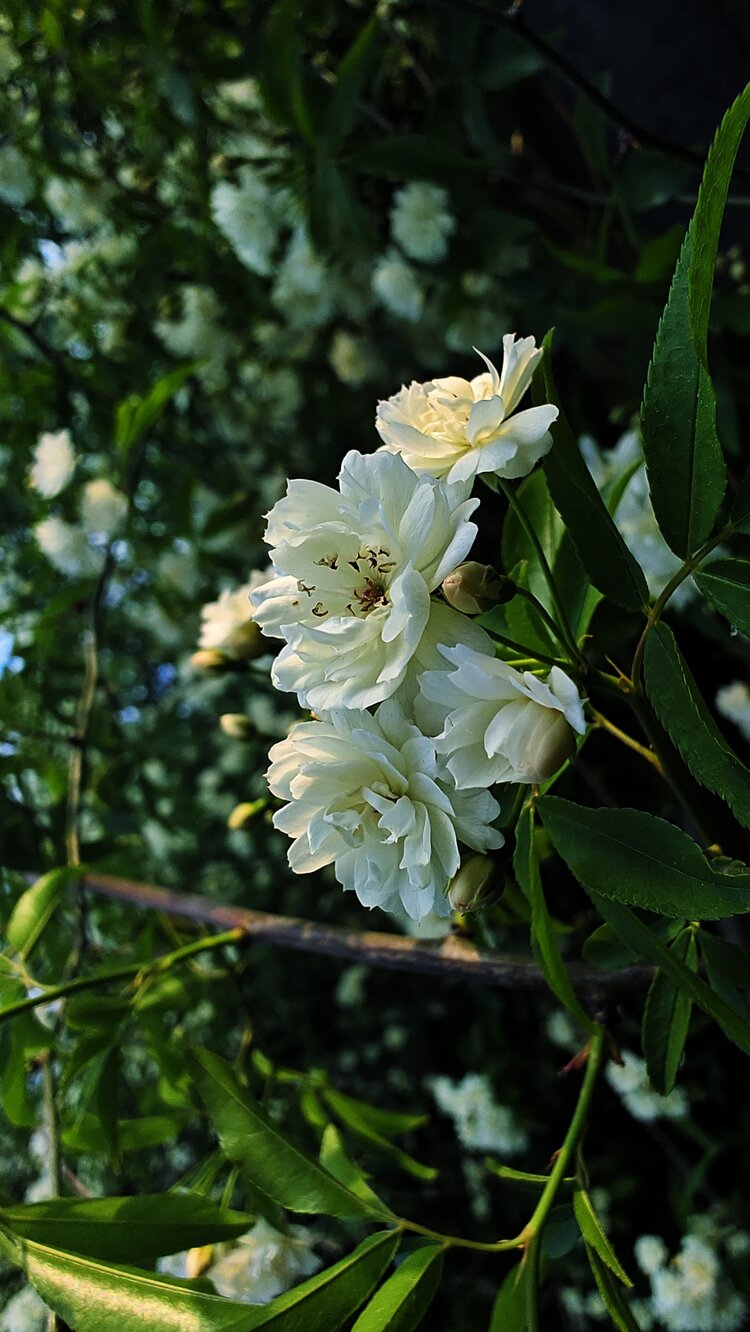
column 531, row 1285
column 541, row 1212
column 159, row 964
column 518, row 509
column 530, row 654
column 49, row 1110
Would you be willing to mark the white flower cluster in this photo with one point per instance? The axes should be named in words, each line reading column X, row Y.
column 691, row 1292
column 54, row 463
column 255, row 1268
column 390, row 797
column 631, row 1081
column 102, row 509
column 421, row 222
column 482, row 1125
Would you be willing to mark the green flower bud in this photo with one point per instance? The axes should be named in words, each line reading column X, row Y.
column 478, row 884
column 473, row 588
column 246, row 643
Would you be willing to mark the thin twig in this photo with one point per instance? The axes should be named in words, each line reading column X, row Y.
column 452, row 958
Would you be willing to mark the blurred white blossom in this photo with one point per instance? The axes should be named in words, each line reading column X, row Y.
column 456, row 428
column 500, row 724
column 396, row 286
column 369, row 794
column 245, row 215
column 103, row 507
column 16, row 180
column 354, row 572
column 222, row 619
column 67, row 549
column 631, row 1081
column 421, row 221
column 303, row 291
column 733, row 702
column 350, row 358
column 54, row 463
column 691, row 1292
column 79, row 205
column 481, row 1124
column 24, row 1312
column 264, row 1263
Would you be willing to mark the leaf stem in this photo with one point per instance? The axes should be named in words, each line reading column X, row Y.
column 530, row 654
column 625, row 739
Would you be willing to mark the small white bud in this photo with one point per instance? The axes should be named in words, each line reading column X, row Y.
column 473, row 588
column 478, row 884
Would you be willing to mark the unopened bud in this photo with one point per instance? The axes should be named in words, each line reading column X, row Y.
column 210, row 660
column 473, row 588
column 246, row 642
column 551, row 740
column 242, row 814
column 236, row 725
column 478, row 884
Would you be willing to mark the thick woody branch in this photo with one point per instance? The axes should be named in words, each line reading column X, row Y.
column 452, row 958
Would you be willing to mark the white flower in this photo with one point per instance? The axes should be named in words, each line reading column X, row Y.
column 103, row 508
column 457, row 427
column 199, row 330
column 355, row 571
column 16, row 180
column 420, row 221
column 54, row 463
column 244, row 215
column 650, row 1253
column 368, row 794
column 631, row 1081
column 303, row 291
column 24, row 1312
column 396, row 287
column 67, row 548
column 502, row 725
column 692, row 1292
column 349, row 358
column 221, row 619
column 79, row 205
column 481, row 1124
column 264, row 1263
column 733, row 702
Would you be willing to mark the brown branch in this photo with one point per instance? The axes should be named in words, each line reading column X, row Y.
column 452, row 958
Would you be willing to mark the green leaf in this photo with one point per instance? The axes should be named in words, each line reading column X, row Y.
column 666, row 1018
column 355, row 1115
column 335, row 1159
column 350, row 77
column 740, row 511
column 136, row 414
column 637, row 935
column 709, row 211
column 523, row 1177
column 681, row 710
column 593, row 1232
column 602, row 551
column 727, row 971
column 135, row 1135
column 612, row 1297
column 678, row 419
column 727, row 584
column 638, row 859
column 543, row 940
column 403, row 1300
column 273, row 1164
column 35, row 908
column 509, row 1309
column 131, row 1230
column 412, row 157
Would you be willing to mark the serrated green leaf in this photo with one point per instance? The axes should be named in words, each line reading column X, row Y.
column 355, row 1115
column 601, row 549
column 594, row 1234
column 272, row 1163
column 612, row 1297
column 640, row 860
column 637, row 935
column 678, row 419
column 509, row 1309
column 35, row 908
column 130, row 1230
column 666, row 1018
column 709, row 211
column 726, row 583
column 401, row 1303
column 350, row 78
column 336, row 1160
column 543, row 940
column 691, row 728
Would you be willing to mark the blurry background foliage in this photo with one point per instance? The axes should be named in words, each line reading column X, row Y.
column 276, row 213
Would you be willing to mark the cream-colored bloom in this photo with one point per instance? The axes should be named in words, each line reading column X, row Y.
column 103, row 508
column 226, row 622
column 456, row 428
column 421, row 221
column 631, row 1081
column 395, row 284
column 54, row 463
column 502, row 725
column 245, row 214
column 369, row 794
column 264, row 1263
column 481, row 1124
column 354, row 572
column 733, row 702
column 67, row 548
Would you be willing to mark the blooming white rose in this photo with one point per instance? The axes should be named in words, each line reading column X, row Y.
column 369, row 794
column 456, row 428
column 54, row 463
column 354, row 573
column 103, row 508
column 224, row 622
column 264, row 1263
column 502, row 725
